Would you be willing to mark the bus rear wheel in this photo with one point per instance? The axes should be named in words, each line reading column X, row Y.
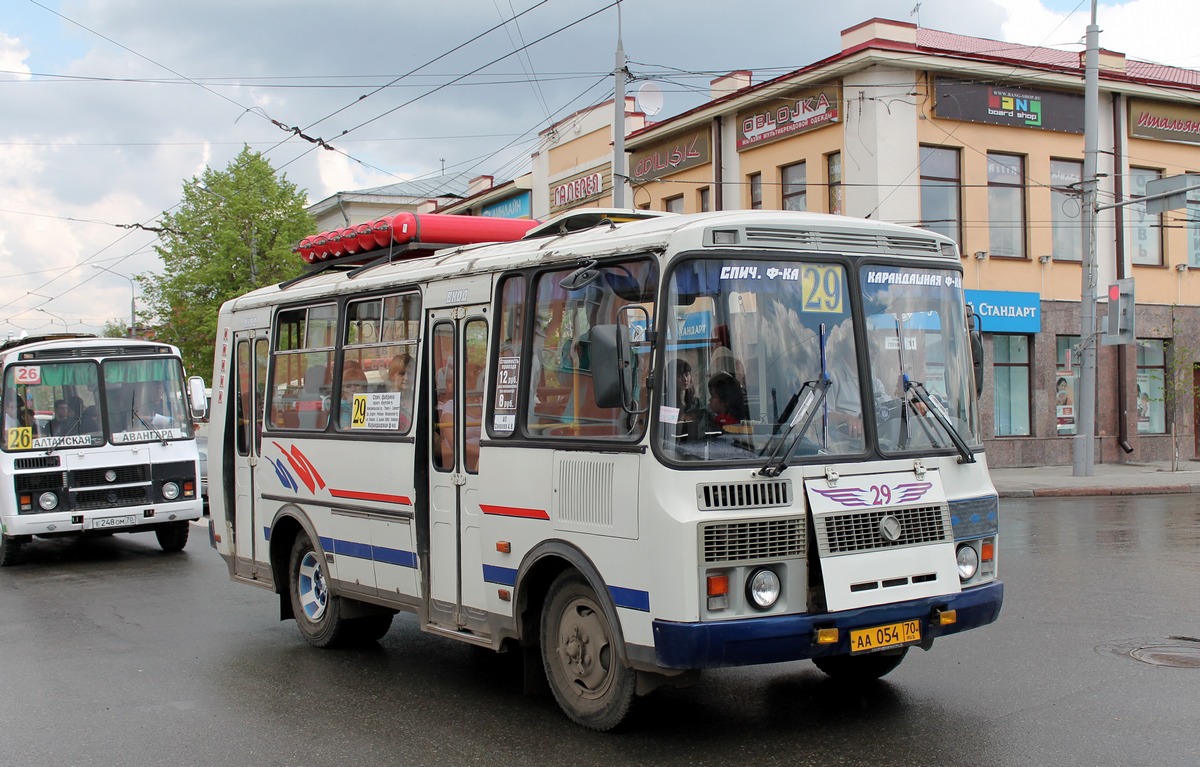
column 318, row 613
column 173, row 536
column 860, row 668
column 591, row 684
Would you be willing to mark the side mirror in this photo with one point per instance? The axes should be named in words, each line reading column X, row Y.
column 976, row 348
column 615, row 361
column 198, row 398
column 608, row 373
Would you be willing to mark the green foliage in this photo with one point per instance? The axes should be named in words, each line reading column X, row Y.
column 115, row 329
column 233, row 232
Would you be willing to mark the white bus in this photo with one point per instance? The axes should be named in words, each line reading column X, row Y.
column 97, row 439
column 631, row 445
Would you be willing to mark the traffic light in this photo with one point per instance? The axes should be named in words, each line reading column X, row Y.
column 1120, row 328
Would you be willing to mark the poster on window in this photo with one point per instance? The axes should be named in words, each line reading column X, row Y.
column 1151, row 409
column 1064, row 403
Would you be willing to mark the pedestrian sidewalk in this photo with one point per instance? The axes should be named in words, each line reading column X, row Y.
column 1108, row 479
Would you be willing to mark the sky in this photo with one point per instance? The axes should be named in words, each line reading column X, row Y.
column 108, row 107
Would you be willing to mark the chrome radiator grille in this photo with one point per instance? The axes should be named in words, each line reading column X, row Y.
column 750, row 540
column 851, row 532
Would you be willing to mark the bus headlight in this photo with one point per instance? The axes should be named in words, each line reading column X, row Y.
column 968, row 562
column 170, row 491
column 762, row 588
column 48, row 501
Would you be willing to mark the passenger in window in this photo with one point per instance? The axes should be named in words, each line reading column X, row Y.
column 63, row 422
column 400, row 381
column 691, row 414
column 726, row 401
column 354, row 381
column 15, row 413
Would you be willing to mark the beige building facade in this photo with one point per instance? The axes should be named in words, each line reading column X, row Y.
column 977, row 139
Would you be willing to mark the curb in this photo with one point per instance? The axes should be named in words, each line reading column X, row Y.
column 1068, row 492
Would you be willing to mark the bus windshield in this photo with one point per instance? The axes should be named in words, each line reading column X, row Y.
column 145, row 401
column 60, row 404
column 52, row 404
column 763, row 358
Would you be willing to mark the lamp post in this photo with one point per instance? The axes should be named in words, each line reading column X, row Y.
column 55, row 316
column 132, row 292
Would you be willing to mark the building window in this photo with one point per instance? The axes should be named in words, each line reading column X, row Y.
column 705, row 200
column 755, row 180
column 1145, row 229
column 1066, row 206
column 940, row 183
column 1151, row 391
column 673, row 204
column 795, row 186
column 833, row 163
column 1006, row 205
column 1010, row 359
column 1193, row 234
column 1066, row 383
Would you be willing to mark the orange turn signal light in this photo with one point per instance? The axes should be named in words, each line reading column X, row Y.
column 988, row 552
column 718, row 585
column 827, row 636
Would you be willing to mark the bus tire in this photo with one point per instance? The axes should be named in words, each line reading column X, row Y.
column 369, row 629
column 173, row 536
column 10, row 550
column 318, row 613
column 591, row 684
column 860, row 668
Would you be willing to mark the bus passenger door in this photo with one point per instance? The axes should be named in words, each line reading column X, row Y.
column 457, row 379
column 246, row 413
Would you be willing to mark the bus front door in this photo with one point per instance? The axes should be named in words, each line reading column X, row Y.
column 456, row 379
column 249, row 387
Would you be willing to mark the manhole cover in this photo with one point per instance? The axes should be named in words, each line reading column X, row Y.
column 1172, row 652
column 1175, row 656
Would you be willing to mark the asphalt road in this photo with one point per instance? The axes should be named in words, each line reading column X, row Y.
column 113, row 653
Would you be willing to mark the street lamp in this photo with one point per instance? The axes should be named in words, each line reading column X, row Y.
column 132, row 292
column 55, row 316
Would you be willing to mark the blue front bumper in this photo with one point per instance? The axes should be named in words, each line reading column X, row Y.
column 792, row 637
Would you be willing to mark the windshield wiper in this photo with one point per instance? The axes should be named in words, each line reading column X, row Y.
column 933, row 406
column 70, row 430
column 137, row 415
column 810, row 398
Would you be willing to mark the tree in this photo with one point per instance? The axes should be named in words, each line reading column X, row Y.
column 233, row 231
column 115, row 329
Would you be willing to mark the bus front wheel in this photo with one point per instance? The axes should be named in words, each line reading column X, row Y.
column 579, row 652
column 318, row 613
column 10, row 550
column 173, row 536
column 860, row 668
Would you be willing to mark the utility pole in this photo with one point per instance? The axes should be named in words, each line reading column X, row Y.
column 1083, row 448
column 618, row 161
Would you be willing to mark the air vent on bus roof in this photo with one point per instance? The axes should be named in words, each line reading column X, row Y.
column 841, row 241
column 95, row 351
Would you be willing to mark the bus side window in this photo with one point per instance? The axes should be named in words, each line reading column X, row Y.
column 310, row 406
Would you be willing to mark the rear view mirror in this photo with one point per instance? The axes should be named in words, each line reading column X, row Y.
column 197, row 398
column 976, row 348
column 615, row 361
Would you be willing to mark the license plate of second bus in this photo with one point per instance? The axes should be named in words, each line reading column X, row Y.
column 124, row 521
column 891, row 635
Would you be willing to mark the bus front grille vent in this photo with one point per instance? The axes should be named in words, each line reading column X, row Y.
column 36, row 483
column 728, row 496
column 38, row 462
column 116, row 497
column 752, row 540
column 842, row 241
column 852, row 532
column 120, row 475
